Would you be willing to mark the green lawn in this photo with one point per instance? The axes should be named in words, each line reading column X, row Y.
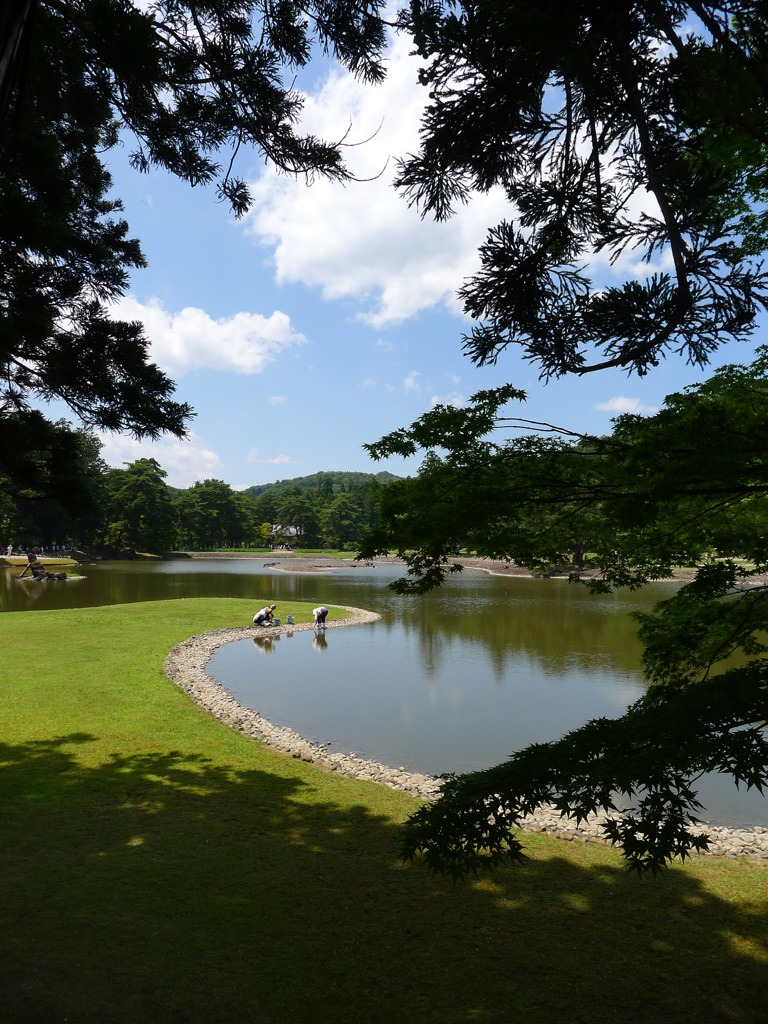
column 158, row 867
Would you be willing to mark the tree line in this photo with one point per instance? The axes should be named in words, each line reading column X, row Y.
column 132, row 508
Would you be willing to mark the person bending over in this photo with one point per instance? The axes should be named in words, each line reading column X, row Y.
column 264, row 616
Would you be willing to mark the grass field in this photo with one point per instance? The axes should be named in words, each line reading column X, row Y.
column 158, row 867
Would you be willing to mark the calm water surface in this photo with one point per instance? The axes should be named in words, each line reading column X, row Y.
column 453, row 681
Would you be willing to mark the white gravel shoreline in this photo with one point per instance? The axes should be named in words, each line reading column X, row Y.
column 186, row 667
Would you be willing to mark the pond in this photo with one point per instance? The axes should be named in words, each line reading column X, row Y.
column 453, row 681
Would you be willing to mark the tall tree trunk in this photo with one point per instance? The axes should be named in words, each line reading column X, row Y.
column 15, row 21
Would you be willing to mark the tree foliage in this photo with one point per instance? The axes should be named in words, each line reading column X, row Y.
column 627, row 133
column 325, row 483
column 188, row 85
column 210, row 515
column 687, row 486
column 658, row 492
column 138, row 515
column 80, row 500
column 625, row 136
column 341, row 520
column 298, row 517
column 55, row 487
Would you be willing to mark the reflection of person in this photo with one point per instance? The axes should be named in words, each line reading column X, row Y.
column 264, row 616
column 264, row 643
column 320, row 643
column 320, row 615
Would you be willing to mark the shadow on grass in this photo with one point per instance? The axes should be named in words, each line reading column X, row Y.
column 164, row 888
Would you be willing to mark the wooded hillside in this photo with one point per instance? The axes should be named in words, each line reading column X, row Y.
column 331, row 482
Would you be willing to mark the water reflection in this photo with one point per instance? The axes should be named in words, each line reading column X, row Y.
column 369, row 693
column 453, row 681
column 560, row 627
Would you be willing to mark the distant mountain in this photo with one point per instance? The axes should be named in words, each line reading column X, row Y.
column 338, row 482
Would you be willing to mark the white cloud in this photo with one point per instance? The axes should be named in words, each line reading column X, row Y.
column 369, row 382
column 254, row 455
column 192, row 340
column 411, row 384
column 276, row 399
column 362, row 241
column 185, row 461
column 620, row 404
column 455, row 399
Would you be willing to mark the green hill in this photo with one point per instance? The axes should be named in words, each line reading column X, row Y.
column 338, row 481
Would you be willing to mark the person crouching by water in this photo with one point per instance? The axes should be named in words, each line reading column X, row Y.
column 320, row 615
column 264, row 616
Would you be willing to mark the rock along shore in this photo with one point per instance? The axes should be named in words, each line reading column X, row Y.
column 186, row 667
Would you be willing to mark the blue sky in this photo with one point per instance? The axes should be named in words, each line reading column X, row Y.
column 327, row 317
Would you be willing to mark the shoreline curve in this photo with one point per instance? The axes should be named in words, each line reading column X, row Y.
column 186, row 667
